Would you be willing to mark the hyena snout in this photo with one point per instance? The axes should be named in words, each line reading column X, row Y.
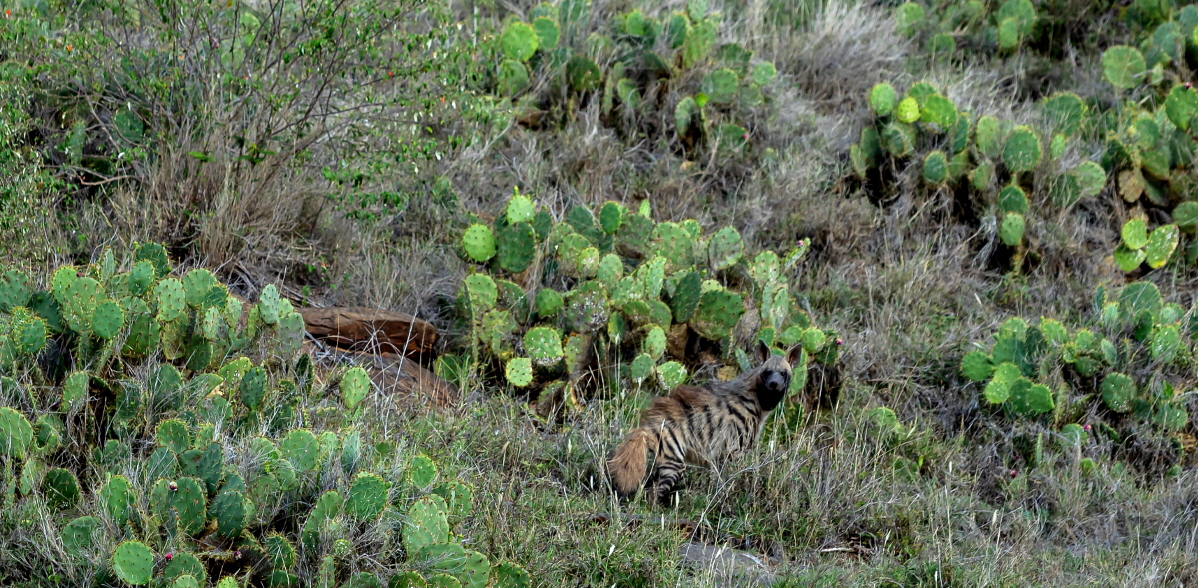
column 775, row 382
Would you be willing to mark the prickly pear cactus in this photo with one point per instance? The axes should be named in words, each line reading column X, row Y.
column 133, row 562
column 223, row 467
column 229, row 510
column 367, row 497
column 425, row 525
column 355, row 385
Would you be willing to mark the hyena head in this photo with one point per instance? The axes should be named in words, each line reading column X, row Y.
column 773, row 377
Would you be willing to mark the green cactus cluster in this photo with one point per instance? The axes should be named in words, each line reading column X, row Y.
column 611, row 287
column 110, row 315
column 1130, row 360
column 959, row 150
column 560, row 43
column 1150, row 153
column 946, row 27
column 178, row 471
column 1148, row 130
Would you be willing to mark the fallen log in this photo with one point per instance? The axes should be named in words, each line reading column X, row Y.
column 367, row 329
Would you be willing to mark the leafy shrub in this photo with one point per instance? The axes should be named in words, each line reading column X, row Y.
column 162, row 472
column 281, row 99
column 553, row 300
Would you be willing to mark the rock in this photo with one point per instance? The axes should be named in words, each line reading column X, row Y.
column 729, row 567
column 368, row 329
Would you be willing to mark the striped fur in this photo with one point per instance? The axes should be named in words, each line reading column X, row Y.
column 700, row 425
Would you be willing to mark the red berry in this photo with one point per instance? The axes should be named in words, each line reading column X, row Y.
column 1087, row 427
column 1014, row 473
column 168, row 557
column 78, row 274
column 237, row 554
column 174, row 486
column 839, row 341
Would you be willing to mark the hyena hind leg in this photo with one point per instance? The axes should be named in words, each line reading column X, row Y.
column 669, row 474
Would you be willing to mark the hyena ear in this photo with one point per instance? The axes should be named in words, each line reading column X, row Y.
column 763, row 351
column 794, row 355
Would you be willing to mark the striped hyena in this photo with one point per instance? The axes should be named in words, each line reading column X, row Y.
column 701, row 425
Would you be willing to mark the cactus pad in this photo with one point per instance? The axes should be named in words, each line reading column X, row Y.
column 1010, row 232
column 998, row 390
column 518, row 41
column 425, row 525
column 671, row 374
column 907, row 110
column 301, row 449
column 75, row 389
column 1181, row 106
column 327, row 507
column 610, row 217
column 79, row 302
column 141, row 277
column 725, row 248
column 229, row 510
column 516, row 247
column 80, row 534
column 459, row 499
column 61, row 488
column 481, row 292
column 355, row 385
column 1128, row 259
column 1117, row 391
column 582, row 73
column 1122, row 66
column 14, row 290
column 279, row 551
column 1160, row 245
column 543, row 345
column 1028, row 398
column 976, row 365
column 686, row 115
column 640, row 368
column 935, row 167
column 1135, row 233
column 513, row 79
column 519, row 371
column 202, row 288
column 133, row 562
column 367, row 497
column 421, row 471
column 1012, row 199
column 172, row 300
column 716, row 314
column 1021, row 151
column 548, row 303
column 510, row 575
column 16, row 433
column 1064, row 112
column 519, row 209
column 720, row 86
column 117, row 497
